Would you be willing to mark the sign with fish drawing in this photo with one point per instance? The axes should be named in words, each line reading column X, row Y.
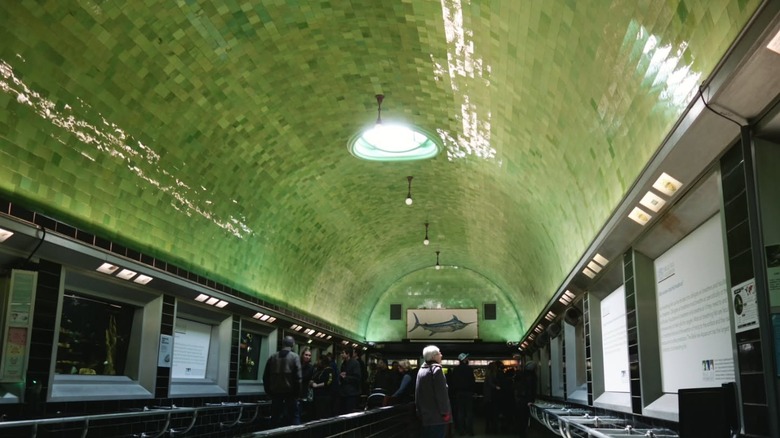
column 426, row 324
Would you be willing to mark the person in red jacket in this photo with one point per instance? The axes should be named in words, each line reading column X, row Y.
column 431, row 399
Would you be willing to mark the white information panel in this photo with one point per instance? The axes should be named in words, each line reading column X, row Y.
column 190, row 349
column 693, row 313
column 615, row 342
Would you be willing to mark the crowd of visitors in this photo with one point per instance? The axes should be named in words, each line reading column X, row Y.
column 303, row 389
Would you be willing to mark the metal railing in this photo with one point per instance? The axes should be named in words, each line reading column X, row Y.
column 156, row 411
column 581, row 423
column 382, row 422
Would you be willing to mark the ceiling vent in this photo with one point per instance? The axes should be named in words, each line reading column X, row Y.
column 573, row 316
column 554, row 330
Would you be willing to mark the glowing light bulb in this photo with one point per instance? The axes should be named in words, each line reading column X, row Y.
column 426, row 241
column 408, row 200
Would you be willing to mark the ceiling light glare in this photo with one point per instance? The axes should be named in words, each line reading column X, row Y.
column 652, row 201
column 566, row 298
column 201, row 298
column 774, row 45
column 600, row 259
column 107, row 268
column 267, row 318
column 639, row 216
column 258, row 315
column 5, row 234
column 221, row 304
column 270, row 320
column 328, row 337
column 126, row 274
column 393, row 142
column 588, row 272
column 595, row 267
column 211, row 301
column 143, row 279
column 667, row 185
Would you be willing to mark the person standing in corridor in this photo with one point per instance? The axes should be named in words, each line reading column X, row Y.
column 282, row 382
column 431, row 399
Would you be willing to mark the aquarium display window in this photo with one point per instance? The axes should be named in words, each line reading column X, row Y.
column 249, row 356
column 94, row 335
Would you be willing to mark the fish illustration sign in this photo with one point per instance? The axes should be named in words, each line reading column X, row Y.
column 442, row 324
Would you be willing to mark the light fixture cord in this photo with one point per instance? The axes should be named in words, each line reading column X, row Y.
column 379, row 99
column 409, row 194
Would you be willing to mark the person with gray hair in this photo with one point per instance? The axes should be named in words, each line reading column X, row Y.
column 431, row 399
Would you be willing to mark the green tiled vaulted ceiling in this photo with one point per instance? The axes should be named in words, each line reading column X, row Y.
column 213, row 133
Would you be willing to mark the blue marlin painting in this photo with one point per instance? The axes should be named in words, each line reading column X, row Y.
column 451, row 325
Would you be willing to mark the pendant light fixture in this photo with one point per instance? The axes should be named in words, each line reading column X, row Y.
column 409, row 194
column 438, row 266
column 426, row 241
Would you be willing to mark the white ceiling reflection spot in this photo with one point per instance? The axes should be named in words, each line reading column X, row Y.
column 465, row 71
column 110, row 139
column 666, row 68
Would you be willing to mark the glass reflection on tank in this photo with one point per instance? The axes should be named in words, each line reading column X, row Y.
column 249, row 356
column 94, row 336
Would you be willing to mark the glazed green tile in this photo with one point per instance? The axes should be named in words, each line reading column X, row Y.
column 213, row 134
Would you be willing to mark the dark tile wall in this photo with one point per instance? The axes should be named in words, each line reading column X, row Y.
column 588, row 362
column 737, row 201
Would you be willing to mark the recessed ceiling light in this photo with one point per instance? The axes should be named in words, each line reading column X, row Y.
column 201, row 298
column 550, row 316
column 211, row 301
column 639, row 216
column 652, row 201
column 107, row 268
column 126, row 274
column 595, row 267
column 221, row 304
column 588, row 272
column 600, row 259
column 566, row 298
column 271, row 319
column 258, row 315
column 667, row 185
column 143, row 279
column 5, row 234
column 329, row 336
column 774, row 45
column 266, row 318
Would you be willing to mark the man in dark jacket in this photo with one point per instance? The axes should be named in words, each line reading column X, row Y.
column 463, row 383
column 431, row 399
column 350, row 379
column 282, row 382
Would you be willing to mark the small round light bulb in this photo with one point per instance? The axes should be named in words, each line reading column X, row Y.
column 426, row 242
column 438, row 267
column 409, row 200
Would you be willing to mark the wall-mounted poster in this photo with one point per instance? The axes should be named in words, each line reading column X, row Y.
column 442, row 324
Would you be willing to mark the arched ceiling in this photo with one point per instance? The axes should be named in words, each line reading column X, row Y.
column 214, row 133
